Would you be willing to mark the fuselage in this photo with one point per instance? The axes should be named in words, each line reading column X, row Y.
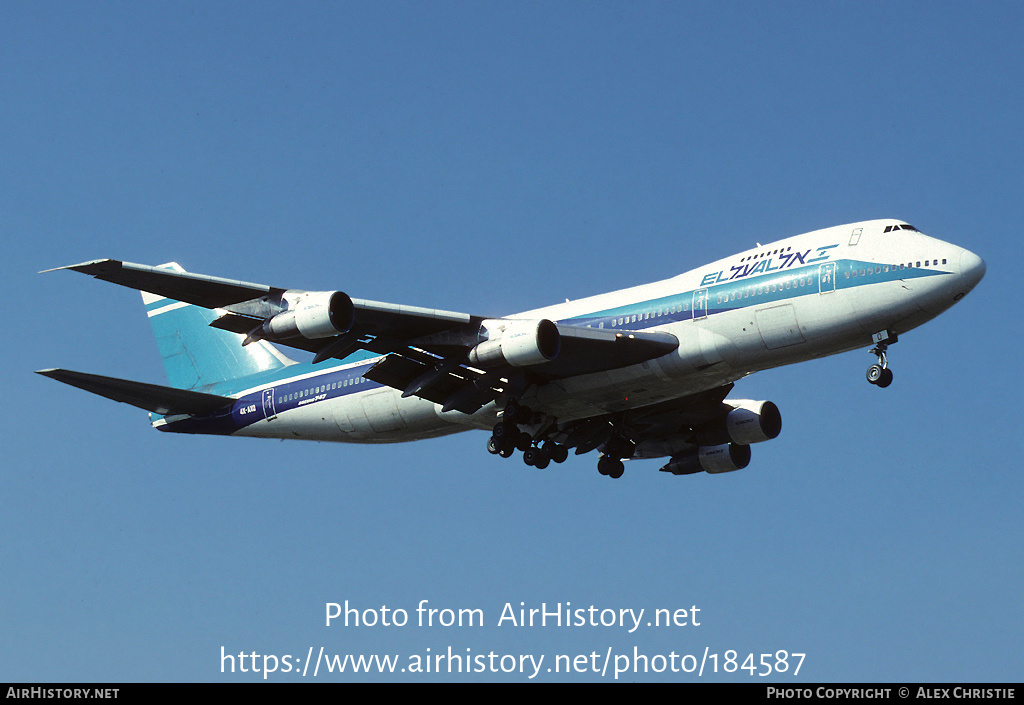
column 805, row 297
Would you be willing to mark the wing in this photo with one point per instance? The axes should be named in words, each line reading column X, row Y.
column 458, row 360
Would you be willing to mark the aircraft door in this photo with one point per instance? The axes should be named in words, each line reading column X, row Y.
column 700, row 304
column 827, row 278
column 268, row 404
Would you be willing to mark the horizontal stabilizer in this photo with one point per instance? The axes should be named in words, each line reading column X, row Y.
column 151, row 397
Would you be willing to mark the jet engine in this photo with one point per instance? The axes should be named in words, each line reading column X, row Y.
column 713, row 459
column 312, row 314
column 748, row 422
column 516, row 342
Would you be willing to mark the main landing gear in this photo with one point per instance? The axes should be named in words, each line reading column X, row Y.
column 540, row 449
column 506, row 439
column 879, row 374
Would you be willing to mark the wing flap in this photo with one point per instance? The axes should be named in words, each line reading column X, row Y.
column 399, row 372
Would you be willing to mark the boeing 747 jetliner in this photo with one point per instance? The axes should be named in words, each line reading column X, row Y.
column 638, row 373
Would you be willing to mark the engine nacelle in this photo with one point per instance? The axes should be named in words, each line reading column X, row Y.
column 312, row 314
column 748, row 422
column 712, row 459
column 516, row 342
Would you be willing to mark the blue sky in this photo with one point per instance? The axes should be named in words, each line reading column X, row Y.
column 495, row 157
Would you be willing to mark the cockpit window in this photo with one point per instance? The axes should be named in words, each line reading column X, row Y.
column 904, row 226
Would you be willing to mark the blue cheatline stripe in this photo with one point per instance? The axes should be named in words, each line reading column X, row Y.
column 280, row 396
column 751, row 291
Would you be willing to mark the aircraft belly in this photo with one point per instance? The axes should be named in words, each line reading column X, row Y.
column 382, row 416
column 379, row 416
column 310, row 422
column 342, row 418
column 778, row 326
column 627, row 388
column 382, row 411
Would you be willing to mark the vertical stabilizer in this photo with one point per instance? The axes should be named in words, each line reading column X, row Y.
column 196, row 355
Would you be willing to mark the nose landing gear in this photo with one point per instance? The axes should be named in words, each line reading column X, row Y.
column 879, row 374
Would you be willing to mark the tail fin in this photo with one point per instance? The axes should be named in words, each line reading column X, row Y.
column 196, row 355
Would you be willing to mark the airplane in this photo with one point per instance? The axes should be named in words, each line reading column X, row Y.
column 643, row 372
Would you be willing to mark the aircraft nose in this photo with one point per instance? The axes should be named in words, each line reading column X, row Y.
column 972, row 269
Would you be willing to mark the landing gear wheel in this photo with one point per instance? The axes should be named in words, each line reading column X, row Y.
column 515, row 413
column 537, row 457
column 612, row 467
column 511, row 410
column 558, row 453
column 493, row 446
column 875, row 373
column 879, row 376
